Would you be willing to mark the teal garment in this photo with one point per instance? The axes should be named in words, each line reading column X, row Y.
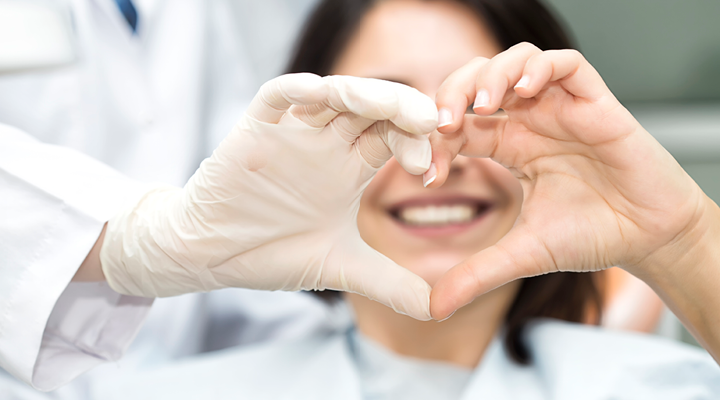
column 570, row 362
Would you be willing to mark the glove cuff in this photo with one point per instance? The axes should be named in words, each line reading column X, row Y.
column 134, row 254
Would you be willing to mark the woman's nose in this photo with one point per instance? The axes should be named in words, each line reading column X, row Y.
column 458, row 165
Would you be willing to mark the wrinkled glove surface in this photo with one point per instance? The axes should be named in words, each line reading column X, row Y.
column 275, row 207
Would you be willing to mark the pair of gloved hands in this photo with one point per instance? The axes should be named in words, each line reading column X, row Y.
column 275, row 207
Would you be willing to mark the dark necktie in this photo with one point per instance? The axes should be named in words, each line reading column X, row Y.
column 129, row 12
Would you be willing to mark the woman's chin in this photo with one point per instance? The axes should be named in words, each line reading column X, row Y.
column 431, row 267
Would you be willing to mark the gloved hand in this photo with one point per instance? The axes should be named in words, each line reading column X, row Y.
column 275, row 207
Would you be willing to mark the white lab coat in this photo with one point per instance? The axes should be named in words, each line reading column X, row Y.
column 150, row 106
column 569, row 362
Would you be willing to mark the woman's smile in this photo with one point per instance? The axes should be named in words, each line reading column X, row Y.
column 434, row 215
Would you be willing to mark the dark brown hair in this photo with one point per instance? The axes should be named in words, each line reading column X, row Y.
column 573, row 297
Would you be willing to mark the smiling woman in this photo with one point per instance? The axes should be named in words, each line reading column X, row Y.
column 419, row 43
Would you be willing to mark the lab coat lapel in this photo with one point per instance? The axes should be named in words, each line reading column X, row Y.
column 339, row 376
column 110, row 9
column 147, row 11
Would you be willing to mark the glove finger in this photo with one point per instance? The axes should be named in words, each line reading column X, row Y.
column 370, row 98
column 384, row 139
column 417, row 112
column 358, row 268
column 276, row 96
column 346, row 124
column 377, row 100
column 314, row 115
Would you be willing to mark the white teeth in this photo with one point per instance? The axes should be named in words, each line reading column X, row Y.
column 437, row 215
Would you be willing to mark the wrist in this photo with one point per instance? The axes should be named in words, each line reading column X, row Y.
column 692, row 251
column 686, row 273
column 139, row 242
column 91, row 269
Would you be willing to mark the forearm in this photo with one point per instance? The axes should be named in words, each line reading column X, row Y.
column 686, row 274
column 91, row 270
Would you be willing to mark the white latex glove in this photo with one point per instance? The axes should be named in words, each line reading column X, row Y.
column 275, row 207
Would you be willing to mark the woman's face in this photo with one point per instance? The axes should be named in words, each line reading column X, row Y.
column 419, row 43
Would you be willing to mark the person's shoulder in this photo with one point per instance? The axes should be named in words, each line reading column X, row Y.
column 625, row 364
column 259, row 371
column 608, row 343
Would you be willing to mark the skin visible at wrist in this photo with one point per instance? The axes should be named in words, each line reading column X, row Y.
column 91, row 269
column 686, row 273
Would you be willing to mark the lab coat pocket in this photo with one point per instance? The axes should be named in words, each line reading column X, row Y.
column 35, row 34
column 39, row 70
